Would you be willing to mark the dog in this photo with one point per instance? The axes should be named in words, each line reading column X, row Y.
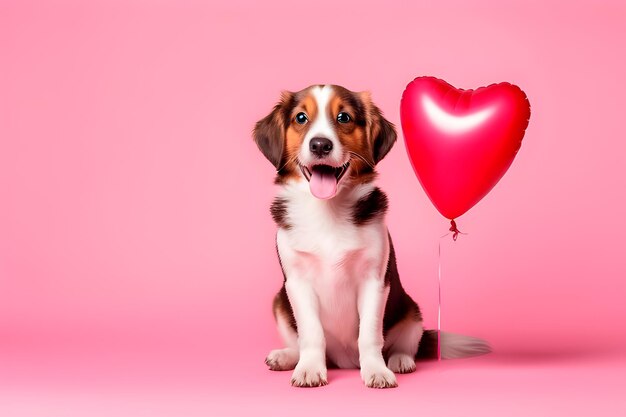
column 341, row 304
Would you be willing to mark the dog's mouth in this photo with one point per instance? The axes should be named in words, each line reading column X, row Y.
column 323, row 179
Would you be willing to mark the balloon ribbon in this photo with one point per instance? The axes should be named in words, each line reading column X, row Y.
column 439, row 304
column 455, row 234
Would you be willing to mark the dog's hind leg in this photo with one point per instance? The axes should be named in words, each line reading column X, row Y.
column 402, row 323
column 284, row 359
column 401, row 344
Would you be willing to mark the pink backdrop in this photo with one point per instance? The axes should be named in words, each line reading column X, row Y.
column 137, row 260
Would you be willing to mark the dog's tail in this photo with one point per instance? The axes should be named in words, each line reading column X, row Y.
column 453, row 346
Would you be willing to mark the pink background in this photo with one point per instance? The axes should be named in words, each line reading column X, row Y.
column 137, row 260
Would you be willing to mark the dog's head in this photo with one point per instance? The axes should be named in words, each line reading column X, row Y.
column 326, row 135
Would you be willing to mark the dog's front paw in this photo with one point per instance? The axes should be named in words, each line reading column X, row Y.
column 309, row 374
column 401, row 363
column 378, row 376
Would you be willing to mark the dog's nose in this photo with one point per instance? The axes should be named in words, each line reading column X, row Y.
column 320, row 147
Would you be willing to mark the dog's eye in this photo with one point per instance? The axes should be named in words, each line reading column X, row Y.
column 343, row 117
column 301, row 118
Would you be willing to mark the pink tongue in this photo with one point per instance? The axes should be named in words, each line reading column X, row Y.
column 323, row 184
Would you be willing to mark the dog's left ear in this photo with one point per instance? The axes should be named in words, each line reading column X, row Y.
column 269, row 132
column 382, row 131
column 384, row 140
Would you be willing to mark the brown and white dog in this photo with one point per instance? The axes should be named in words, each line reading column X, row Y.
column 342, row 303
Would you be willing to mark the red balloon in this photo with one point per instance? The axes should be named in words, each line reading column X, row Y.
column 461, row 142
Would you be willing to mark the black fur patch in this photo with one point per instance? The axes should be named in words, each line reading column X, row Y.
column 278, row 209
column 428, row 345
column 369, row 207
column 400, row 306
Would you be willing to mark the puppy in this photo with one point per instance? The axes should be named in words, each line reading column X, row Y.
column 341, row 303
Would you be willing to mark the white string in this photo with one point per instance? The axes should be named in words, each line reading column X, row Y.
column 439, row 302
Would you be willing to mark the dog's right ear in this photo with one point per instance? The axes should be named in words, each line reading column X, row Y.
column 269, row 132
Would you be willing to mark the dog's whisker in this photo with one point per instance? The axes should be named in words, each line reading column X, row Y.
column 362, row 158
column 289, row 161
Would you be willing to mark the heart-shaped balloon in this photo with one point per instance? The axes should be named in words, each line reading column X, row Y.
column 461, row 142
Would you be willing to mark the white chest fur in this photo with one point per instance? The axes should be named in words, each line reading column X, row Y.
column 324, row 249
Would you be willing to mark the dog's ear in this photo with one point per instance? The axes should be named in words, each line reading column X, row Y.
column 384, row 138
column 382, row 132
column 269, row 132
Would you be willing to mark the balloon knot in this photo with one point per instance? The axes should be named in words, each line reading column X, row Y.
column 455, row 231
